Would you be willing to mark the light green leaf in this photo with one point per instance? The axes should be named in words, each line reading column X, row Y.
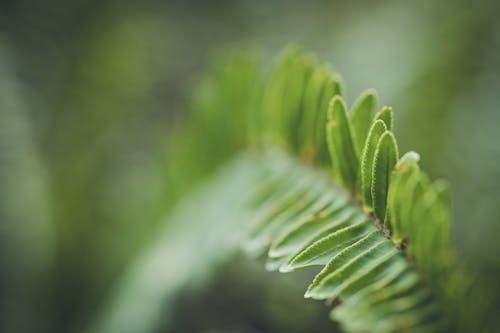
column 341, row 145
column 321, row 251
column 397, row 188
column 387, row 116
column 360, row 272
column 361, row 115
column 332, row 87
column 376, row 131
column 343, row 259
column 292, row 239
column 345, row 218
column 312, row 107
column 386, row 156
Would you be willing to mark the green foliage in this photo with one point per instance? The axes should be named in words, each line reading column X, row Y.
column 83, row 155
column 375, row 224
column 387, row 116
column 291, row 114
column 315, row 223
column 361, row 116
column 383, row 260
column 341, row 144
column 386, row 156
column 367, row 157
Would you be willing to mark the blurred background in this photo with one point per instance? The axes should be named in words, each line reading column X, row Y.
column 89, row 91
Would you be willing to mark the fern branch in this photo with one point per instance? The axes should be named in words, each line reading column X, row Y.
column 316, row 223
column 341, row 199
column 306, row 221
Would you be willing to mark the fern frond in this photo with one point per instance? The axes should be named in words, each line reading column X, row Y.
column 333, row 193
column 316, row 223
column 311, row 215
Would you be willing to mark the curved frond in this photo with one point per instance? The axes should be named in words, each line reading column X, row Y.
column 315, row 223
column 343, row 201
column 333, row 194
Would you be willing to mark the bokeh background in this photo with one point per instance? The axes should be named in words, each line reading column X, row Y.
column 89, row 91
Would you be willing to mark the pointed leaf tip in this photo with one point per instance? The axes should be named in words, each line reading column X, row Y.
column 362, row 114
column 336, row 108
column 410, row 157
column 387, row 116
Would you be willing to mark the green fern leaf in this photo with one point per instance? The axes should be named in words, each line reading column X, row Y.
column 387, row 116
column 361, row 266
column 361, row 115
column 341, row 143
column 384, row 160
column 377, row 129
column 386, row 277
column 327, row 245
column 396, row 198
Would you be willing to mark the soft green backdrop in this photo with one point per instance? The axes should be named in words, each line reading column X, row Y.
column 90, row 89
